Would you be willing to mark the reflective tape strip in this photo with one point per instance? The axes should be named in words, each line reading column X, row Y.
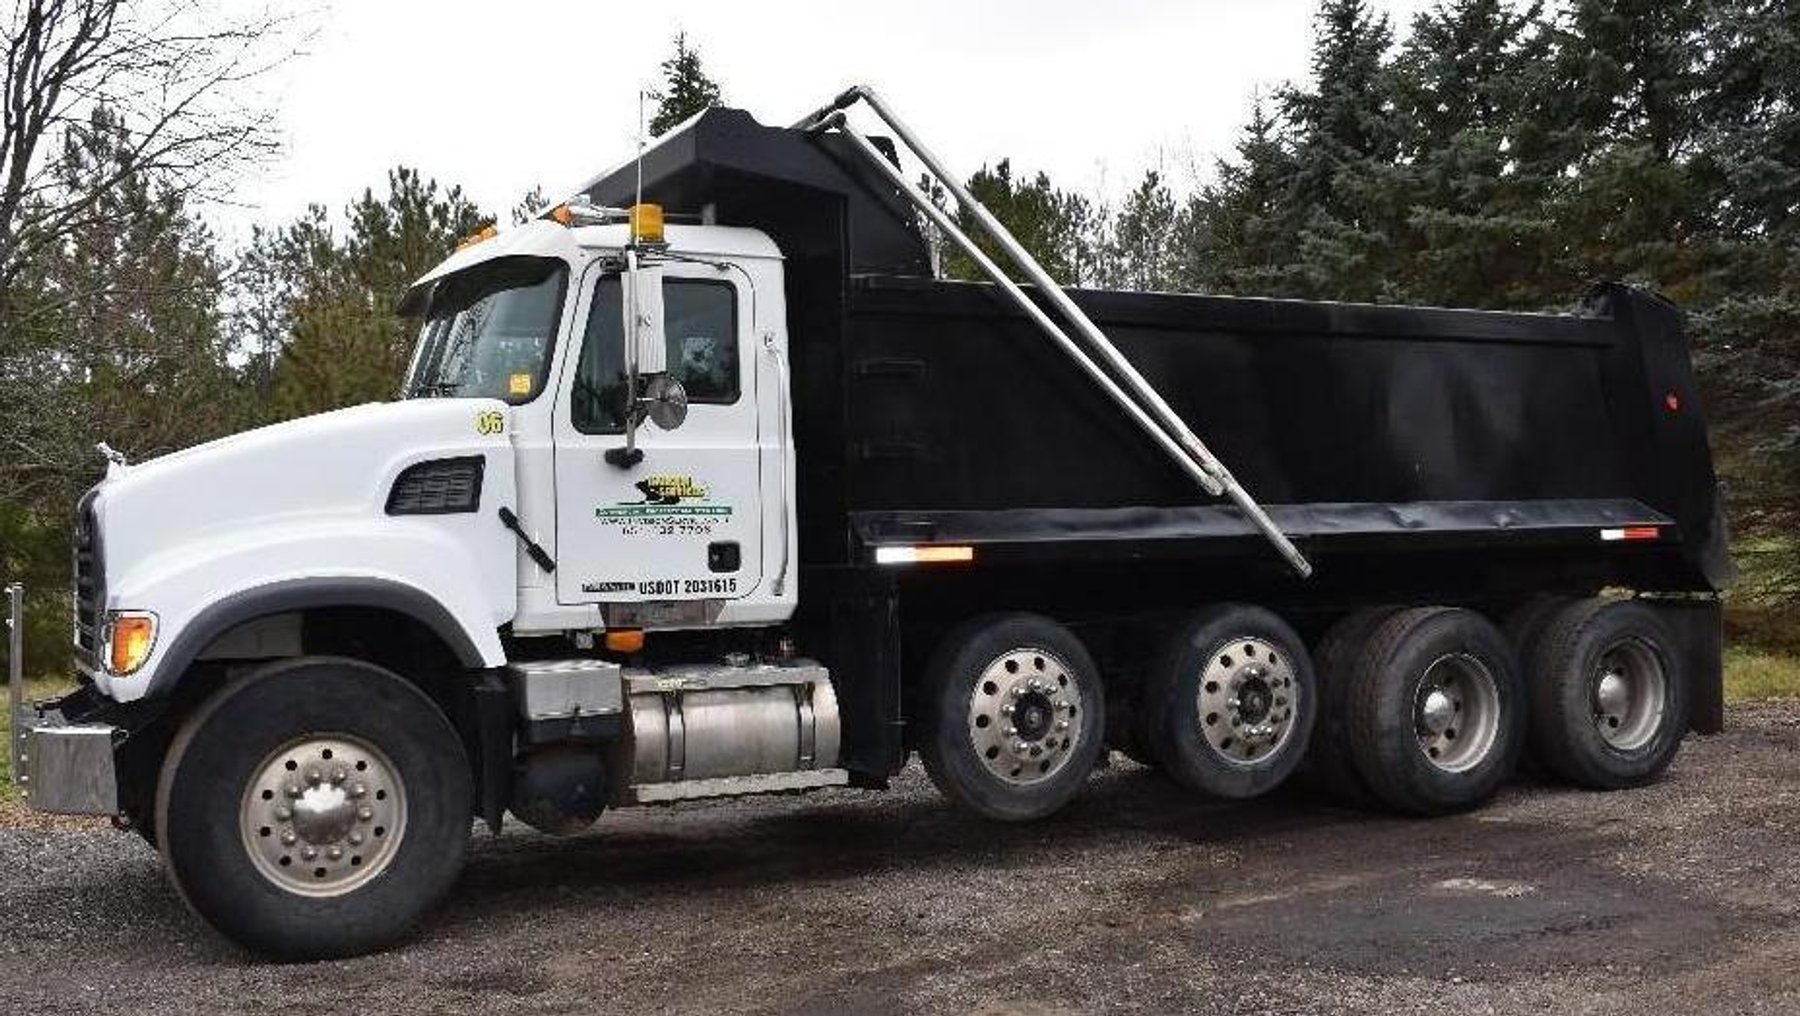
column 1631, row 533
column 923, row 555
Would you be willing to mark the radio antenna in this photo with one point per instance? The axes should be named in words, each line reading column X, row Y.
column 640, row 165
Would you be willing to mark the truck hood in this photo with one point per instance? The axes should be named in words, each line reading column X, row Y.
column 338, row 464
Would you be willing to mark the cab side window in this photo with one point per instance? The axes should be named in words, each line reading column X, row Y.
column 700, row 324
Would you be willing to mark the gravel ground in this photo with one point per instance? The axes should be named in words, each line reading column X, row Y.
column 1679, row 898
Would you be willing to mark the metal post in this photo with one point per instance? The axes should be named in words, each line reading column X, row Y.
column 1148, row 402
column 15, row 678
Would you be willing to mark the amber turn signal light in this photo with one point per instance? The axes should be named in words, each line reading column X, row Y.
column 133, row 635
column 625, row 640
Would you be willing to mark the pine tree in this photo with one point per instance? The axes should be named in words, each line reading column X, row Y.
column 686, row 89
column 1140, row 249
column 1345, row 136
column 1055, row 226
column 340, row 338
column 1236, row 234
column 1482, row 157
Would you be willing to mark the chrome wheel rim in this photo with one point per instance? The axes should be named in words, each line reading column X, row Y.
column 1628, row 692
column 1247, row 701
column 321, row 816
column 1456, row 712
column 1025, row 716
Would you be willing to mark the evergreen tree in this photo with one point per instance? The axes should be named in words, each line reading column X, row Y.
column 1482, row 158
column 1140, row 250
column 1055, row 226
column 334, row 318
column 1236, row 234
column 686, row 89
column 1342, row 206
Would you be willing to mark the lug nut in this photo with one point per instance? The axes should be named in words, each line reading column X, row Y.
column 289, row 839
column 1018, row 746
column 308, row 853
column 1062, row 724
column 1017, row 691
column 283, row 813
column 1006, row 710
column 335, row 853
column 358, row 790
column 355, row 839
column 365, row 813
column 340, row 774
column 292, row 790
column 313, row 776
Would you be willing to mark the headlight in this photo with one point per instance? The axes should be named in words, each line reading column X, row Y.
column 130, row 635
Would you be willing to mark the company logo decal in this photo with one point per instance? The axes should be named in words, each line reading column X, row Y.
column 672, row 505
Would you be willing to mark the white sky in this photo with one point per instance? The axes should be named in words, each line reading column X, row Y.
column 498, row 97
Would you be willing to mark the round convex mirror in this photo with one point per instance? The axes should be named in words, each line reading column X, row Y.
column 665, row 402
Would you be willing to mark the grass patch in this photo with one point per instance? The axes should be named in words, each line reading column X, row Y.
column 1754, row 674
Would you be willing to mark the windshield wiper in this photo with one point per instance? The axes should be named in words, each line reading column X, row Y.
column 435, row 388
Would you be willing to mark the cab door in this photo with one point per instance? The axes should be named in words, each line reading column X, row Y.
column 685, row 522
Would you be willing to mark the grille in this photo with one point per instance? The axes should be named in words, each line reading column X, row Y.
column 90, row 592
column 438, row 487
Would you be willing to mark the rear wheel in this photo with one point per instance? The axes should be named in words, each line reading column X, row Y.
column 1609, row 694
column 1328, row 765
column 1015, row 717
column 1231, row 702
column 315, row 808
column 1436, row 710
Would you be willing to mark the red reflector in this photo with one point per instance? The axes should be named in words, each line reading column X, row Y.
column 1673, row 401
column 1631, row 533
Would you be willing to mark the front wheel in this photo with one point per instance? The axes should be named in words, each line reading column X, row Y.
column 1015, row 716
column 315, row 808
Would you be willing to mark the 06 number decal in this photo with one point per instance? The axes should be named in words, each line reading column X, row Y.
column 491, row 422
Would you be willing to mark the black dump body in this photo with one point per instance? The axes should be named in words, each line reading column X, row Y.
column 1415, row 455
column 1409, row 451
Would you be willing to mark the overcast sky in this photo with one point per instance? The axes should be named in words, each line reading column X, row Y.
column 498, row 97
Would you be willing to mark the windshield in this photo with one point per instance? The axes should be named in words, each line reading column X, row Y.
column 489, row 331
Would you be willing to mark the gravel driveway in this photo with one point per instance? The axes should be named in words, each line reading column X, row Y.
column 1680, row 898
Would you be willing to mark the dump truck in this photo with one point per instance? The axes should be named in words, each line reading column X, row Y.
column 706, row 483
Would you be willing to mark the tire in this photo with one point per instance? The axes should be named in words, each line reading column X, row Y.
column 1436, row 710
column 1037, row 670
column 1231, row 701
column 349, row 732
column 1328, row 767
column 1525, row 624
column 1609, row 695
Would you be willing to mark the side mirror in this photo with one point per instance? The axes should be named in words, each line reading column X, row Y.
column 649, row 392
column 643, row 306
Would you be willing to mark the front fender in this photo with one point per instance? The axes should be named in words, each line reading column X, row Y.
column 452, row 573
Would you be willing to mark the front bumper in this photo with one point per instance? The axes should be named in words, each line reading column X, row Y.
column 66, row 768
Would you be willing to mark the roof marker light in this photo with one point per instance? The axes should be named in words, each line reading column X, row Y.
column 923, row 555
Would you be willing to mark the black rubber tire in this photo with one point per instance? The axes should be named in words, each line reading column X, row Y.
column 214, row 757
column 950, row 681
column 1383, row 686
column 1328, row 767
column 1171, row 692
column 1525, row 623
column 1524, row 626
column 1563, row 732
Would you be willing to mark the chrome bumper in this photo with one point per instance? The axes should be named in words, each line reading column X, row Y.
column 67, row 769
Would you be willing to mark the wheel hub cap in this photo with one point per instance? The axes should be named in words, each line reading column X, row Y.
column 323, row 815
column 1456, row 712
column 1024, row 716
column 1437, row 712
column 1630, row 694
column 1247, row 701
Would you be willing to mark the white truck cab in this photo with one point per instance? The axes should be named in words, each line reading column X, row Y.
column 515, row 397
